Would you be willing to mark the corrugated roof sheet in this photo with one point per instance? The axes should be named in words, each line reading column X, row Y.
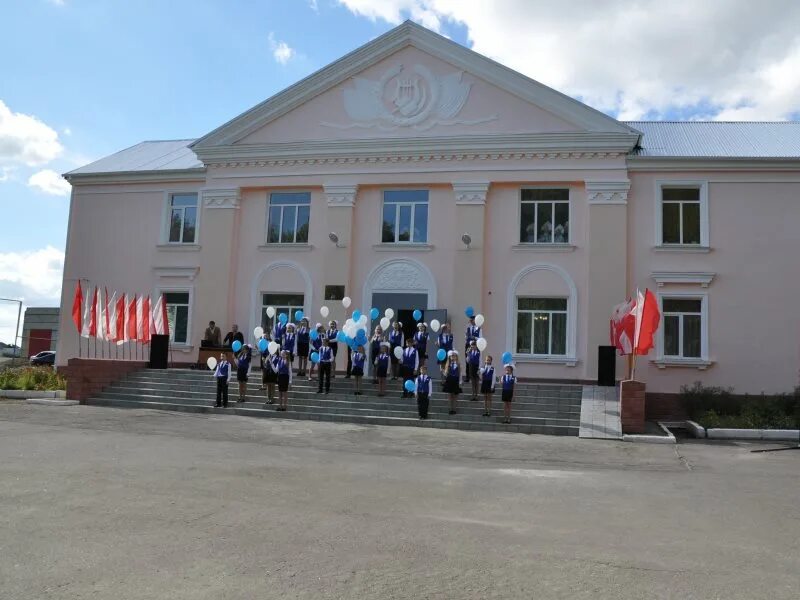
column 162, row 155
column 718, row 139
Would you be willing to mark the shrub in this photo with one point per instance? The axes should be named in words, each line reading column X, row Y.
column 719, row 407
column 32, row 378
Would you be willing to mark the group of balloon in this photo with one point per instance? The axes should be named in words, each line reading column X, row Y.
column 354, row 331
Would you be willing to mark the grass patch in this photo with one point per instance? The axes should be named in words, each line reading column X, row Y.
column 720, row 407
column 32, row 378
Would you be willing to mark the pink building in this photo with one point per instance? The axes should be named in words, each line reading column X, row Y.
column 450, row 180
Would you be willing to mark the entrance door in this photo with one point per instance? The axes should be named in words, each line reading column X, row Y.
column 403, row 305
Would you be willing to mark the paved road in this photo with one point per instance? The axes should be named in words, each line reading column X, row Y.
column 133, row 504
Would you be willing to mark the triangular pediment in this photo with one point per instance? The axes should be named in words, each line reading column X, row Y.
column 411, row 82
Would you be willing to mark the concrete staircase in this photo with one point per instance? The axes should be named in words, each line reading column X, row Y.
column 552, row 409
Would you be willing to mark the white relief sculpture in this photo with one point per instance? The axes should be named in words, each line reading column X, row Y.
column 419, row 100
column 399, row 276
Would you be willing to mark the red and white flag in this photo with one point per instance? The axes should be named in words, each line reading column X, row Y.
column 77, row 306
column 160, row 324
column 118, row 324
column 101, row 315
column 130, row 320
column 623, row 326
column 90, row 316
column 143, row 319
column 111, row 317
column 647, row 320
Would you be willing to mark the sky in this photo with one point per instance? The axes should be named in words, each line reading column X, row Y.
column 81, row 79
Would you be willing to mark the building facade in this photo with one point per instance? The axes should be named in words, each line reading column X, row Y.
column 39, row 330
column 415, row 173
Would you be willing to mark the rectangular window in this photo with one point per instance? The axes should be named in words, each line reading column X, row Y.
column 544, row 216
column 542, row 326
column 285, row 304
column 287, row 218
column 680, row 215
column 683, row 327
column 405, row 217
column 178, row 316
column 182, row 218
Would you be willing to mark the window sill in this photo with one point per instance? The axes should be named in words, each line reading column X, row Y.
column 689, row 363
column 568, row 361
column 403, row 247
column 185, row 348
column 685, row 248
column 286, row 247
column 533, row 247
column 179, row 247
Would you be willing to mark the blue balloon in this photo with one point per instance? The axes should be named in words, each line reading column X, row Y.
column 506, row 358
column 263, row 344
column 361, row 332
column 283, row 318
column 470, row 312
column 315, row 357
column 417, row 315
column 236, row 346
column 298, row 315
column 373, row 313
column 441, row 354
column 341, row 336
column 313, row 335
column 356, row 315
column 409, row 385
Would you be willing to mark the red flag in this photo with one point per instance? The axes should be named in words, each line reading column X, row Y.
column 77, row 305
column 130, row 325
column 623, row 325
column 93, row 317
column 146, row 318
column 159, row 324
column 111, row 317
column 119, row 326
column 647, row 320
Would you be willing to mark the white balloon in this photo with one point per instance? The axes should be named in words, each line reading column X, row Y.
column 350, row 330
column 398, row 352
column 272, row 347
column 479, row 320
column 348, row 322
column 388, row 313
column 346, row 301
column 270, row 311
column 258, row 332
column 435, row 325
column 212, row 363
column 385, row 322
column 363, row 320
column 481, row 343
column 324, row 311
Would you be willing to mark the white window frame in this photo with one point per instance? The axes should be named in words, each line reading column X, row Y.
column 179, row 290
column 569, row 214
column 565, row 312
column 397, row 205
column 702, row 186
column 296, row 211
column 167, row 218
column 703, row 359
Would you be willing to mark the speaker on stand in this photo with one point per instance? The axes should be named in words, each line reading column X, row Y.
column 159, row 351
column 606, row 366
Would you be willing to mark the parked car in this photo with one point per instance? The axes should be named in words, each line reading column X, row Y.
column 48, row 357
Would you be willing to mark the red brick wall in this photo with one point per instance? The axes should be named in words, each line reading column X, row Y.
column 88, row 376
column 665, row 407
column 632, row 395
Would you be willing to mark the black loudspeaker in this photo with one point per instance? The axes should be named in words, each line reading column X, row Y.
column 159, row 349
column 606, row 365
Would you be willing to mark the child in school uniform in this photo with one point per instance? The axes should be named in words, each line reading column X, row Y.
column 486, row 374
column 333, row 344
column 359, row 360
column 444, row 342
column 284, row 368
column 278, row 331
column 452, row 381
column 396, row 339
column 269, row 375
column 303, row 346
column 408, row 365
column 243, row 370
column 472, row 335
column 375, row 349
column 316, row 344
column 325, row 360
column 423, row 390
column 222, row 373
column 473, row 361
column 290, row 342
column 421, row 342
column 507, row 381
column 382, row 368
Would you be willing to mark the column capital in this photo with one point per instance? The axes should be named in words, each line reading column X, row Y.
column 473, row 193
column 341, row 194
column 608, row 192
column 228, row 198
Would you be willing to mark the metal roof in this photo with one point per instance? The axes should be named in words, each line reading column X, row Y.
column 718, row 139
column 162, row 155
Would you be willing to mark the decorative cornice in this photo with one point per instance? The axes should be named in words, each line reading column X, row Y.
column 341, row 195
column 684, row 164
column 189, row 273
column 471, row 193
column 221, row 198
column 607, row 192
column 664, row 277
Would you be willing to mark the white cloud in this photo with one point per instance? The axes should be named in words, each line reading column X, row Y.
column 25, row 139
column 33, row 277
column 66, row 131
column 49, row 182
column 57, row 2
column 313, row 5
column 726, row 59
column 281, row 51
column 5, row 173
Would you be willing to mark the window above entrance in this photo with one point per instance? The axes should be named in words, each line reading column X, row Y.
column 405, row 217
column 287, row 218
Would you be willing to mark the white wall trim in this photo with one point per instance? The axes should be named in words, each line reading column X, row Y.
column 702, row 184
column 425, row 284
column 664, row 277
column 227, row 198
column 189, row 273
column 607, row 192
column 341, row 195
column 255, row 292
column 572, row 312
column 471, row 193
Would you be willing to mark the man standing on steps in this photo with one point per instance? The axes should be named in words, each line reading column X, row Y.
column 325, row 360
column 222, row 373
